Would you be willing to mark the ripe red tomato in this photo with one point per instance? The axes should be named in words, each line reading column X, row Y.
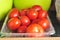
column 22, row 29
column 35, row 28
column 13, row 23
column 36, row 21
column 25, row 20
column 23, row 12
column 42, row 14
column 32, row 14
column 44, row 23
column 14, row 13
column 37, row 7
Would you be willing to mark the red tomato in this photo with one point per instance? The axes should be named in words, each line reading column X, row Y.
column 35, row 28
column 37, row 7
column 25, row 20
column 42, row 14
column 36, row 21
column 44, row 23
column 13, row 23
column 32, row 14
column 22, row 29
column 14, row 13
column 23, row 12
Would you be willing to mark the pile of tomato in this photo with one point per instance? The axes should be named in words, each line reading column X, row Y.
column 29, row 20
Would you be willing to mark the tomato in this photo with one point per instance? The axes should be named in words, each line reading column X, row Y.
column 32, row 14
column 42, row 14
column 44, row 23
column 23, row 12
column 22, row 29
column 37, row 7
column 14, row 13
column 36, row 21
column 13, row 23
column 35, row 28
column 25, row 20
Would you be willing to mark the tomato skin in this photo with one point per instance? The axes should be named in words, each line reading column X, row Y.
column 25, row 20
column 37, row 7
column 14, row 13
column 42, row 14
column 22, row 29
column 36, row 20
column 35, row 28
column 23, row 12
column 13, row 23
column 32, row 14
column 44, row 23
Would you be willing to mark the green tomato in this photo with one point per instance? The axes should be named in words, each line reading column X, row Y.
column 21, row 4
column 5, row 6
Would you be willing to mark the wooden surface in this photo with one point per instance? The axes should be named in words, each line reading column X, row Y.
column 45, row 38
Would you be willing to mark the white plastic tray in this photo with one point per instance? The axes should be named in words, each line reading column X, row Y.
column 5, row 31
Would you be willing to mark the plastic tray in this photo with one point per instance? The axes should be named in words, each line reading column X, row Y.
column 5, row 31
